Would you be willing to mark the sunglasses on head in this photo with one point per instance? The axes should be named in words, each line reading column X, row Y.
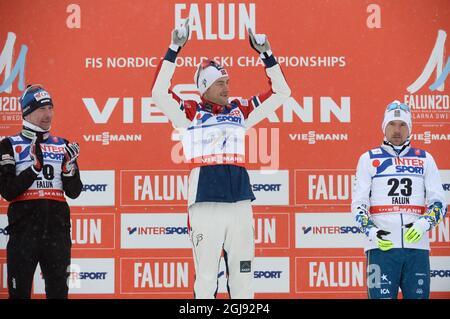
column 398, row 106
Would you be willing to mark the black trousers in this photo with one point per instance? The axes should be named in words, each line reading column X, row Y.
column 41, row 236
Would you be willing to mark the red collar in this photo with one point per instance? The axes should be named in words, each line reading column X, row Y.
column 213, row 107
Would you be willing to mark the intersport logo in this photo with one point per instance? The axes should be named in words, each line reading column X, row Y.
column 440, row 273
column 337, row 230
column 87, row 276
column 270, row 187
column 161, row 230
column 270, row 275
column 98, row 189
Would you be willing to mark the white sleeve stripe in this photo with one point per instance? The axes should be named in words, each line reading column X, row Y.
column 7, row 161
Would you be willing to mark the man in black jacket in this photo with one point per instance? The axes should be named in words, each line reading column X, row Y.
column 36, row 170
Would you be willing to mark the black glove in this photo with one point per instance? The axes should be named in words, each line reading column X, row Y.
column 71, row 153
column 382, row 233
column 36, row 155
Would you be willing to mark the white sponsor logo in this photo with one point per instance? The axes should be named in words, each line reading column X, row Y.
column 330, row 187
column 270, row 275
column 312, row 137
column 88, row 230
column 154, row 231
column 440, row 273
column 106, row 138
column 328, row 110
column 156, row 274
column 87, row 276
column 270, row 187
column 160, row 187
column 223, row 21
column 427, row 137
column 41, row 95
column 98, row 189
column 336, row 274
column 337, row 230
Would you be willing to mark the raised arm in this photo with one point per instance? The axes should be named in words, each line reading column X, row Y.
column 167, row 101
column 262, row 105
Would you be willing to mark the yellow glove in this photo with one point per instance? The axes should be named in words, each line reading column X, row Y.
column 383, row 244
column 416, row 230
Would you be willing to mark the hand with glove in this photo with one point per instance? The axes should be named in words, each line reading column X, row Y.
column 180, row 35
column 71, row 153
column 376, row 234
column 36, row 156
column 416, row 230
column 259, row 43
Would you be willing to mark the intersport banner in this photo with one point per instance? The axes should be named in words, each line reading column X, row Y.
column 344, row 62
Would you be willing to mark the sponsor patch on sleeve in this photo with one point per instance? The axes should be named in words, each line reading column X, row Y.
column 243, row 102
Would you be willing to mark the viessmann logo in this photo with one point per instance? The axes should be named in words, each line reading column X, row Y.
column 427, row 137
column 312, row 137
column 106, row 138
